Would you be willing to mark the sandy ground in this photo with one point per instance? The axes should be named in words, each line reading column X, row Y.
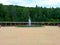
column 48, row 35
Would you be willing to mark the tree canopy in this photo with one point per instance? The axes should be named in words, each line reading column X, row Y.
column 22, row 14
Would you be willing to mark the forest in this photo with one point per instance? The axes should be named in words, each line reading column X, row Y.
column 14, row 13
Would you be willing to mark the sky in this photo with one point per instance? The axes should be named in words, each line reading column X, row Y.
column 32, row 3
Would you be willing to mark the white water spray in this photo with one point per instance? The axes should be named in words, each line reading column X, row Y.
column 29, row 21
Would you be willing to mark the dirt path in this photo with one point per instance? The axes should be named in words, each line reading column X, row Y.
column 47, row 35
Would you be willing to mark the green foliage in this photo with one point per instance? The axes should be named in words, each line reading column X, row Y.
column 37, row 14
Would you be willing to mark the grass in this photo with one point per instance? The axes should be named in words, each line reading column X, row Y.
column 30, row 26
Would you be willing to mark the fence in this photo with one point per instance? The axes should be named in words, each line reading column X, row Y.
column 26, row 23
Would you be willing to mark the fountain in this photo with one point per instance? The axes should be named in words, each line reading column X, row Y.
column 29, row 21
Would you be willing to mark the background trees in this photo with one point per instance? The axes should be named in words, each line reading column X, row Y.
column 37, row 14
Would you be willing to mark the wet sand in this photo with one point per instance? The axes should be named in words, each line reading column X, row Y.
column 47, row 35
